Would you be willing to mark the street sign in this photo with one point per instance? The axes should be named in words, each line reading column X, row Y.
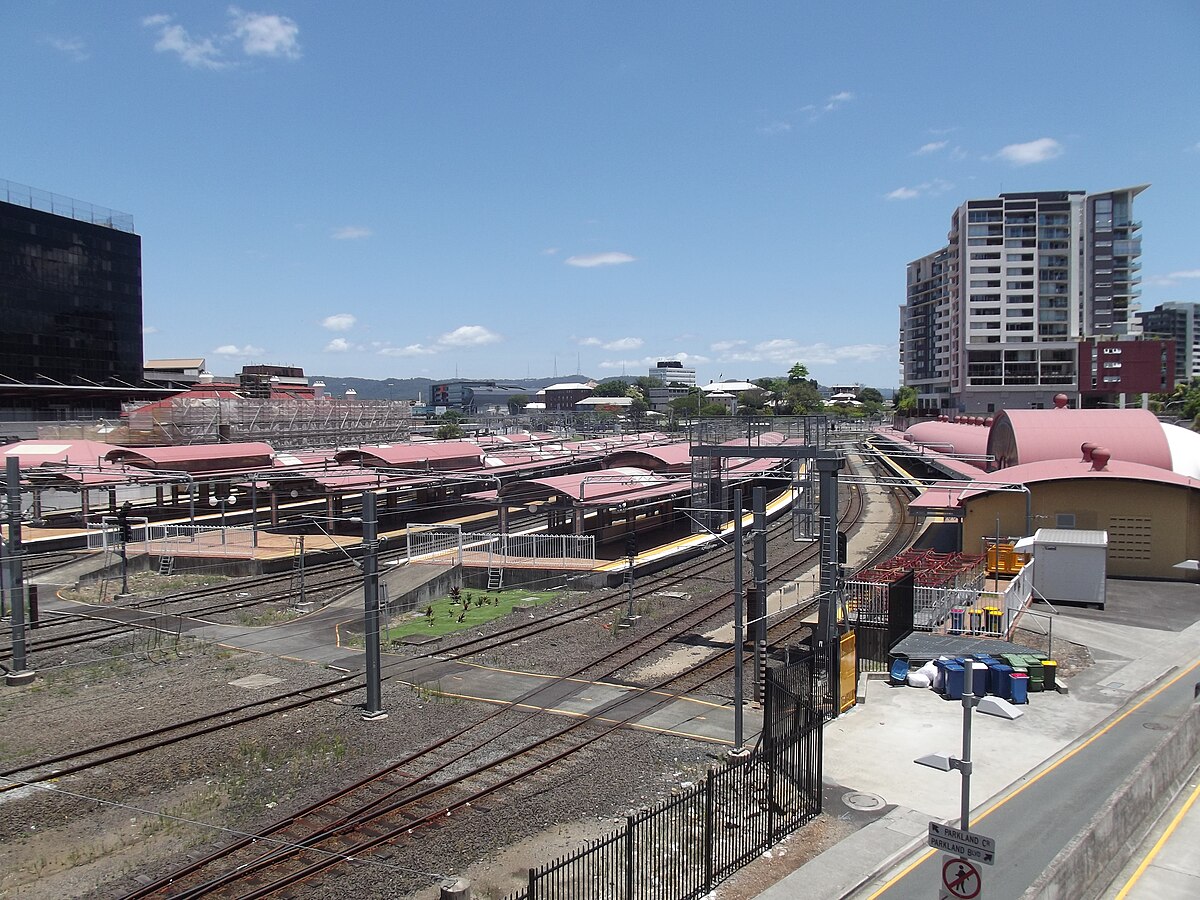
column 967, row 844
column 960, row 881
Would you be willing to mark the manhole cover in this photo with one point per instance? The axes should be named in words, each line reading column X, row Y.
column 1154, row 726
column 863, row 802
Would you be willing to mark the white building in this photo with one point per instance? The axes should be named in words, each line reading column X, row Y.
column 994, row 318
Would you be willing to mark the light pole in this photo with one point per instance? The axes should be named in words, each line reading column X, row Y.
column 229, row 499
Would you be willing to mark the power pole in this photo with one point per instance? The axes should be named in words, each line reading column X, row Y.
column 373, row 710
column 19, row 674
column 759, row 612
column 739, row 626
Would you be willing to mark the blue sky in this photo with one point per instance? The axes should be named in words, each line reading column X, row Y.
column 534, row 188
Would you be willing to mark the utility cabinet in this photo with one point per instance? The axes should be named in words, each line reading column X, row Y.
column 1070, row 566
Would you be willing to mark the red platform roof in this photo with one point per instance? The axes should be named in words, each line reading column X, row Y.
column 1021, row 436
column 196, row 457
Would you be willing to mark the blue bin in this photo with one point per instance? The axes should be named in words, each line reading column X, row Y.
column 1019, row 687
column 979, row 679
column 954, row 681
column 998, row 683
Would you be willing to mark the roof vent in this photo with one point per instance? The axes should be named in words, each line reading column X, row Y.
column 1061, row 401
column 988, row 422
column 205, row 378
column 1100, row 458
column 1086, row 449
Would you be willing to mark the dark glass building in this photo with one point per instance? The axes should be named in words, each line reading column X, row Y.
column 71, row 307
column 71, row 295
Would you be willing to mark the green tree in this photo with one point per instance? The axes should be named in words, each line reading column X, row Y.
column 870, row 395
column 517, row 402
column 797, row 373
column 613, row 387
column 449, row 432
column 906, row 400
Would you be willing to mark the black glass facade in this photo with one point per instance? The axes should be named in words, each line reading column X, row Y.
column 70, row 300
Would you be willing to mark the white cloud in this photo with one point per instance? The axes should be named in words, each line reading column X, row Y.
column 1041, row 150
column 73, row 47
column 648, row 362
column 931, row 147
column 725, row 346
column 257, row 34
column 234, row 350
column 785, row 351
column 612, row 258
column 591, row 342
column 338, row 345
column 410, row 350
column 266, row 35
column 837, row 100
column 550, row 251
column 149, row 329
column 339, row 322
column 350, row 233
column 932, row 188
column 199, row 54
column 1172, row 278
column 468, row 336
column 777, row 127
column 625, row 343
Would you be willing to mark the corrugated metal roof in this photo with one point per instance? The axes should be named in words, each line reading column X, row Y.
column 195, row 456
column 1063, row 469
column 57, row 453
column 951, row 437
column 461, row 454
column 1071, row 537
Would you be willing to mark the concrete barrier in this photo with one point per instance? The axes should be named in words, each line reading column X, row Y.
column 1096, row 855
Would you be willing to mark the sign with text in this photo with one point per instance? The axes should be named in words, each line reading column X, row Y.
column 967, row 844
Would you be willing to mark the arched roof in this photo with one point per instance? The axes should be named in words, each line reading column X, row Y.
column 1021, row 436
column 1185, row 449
column 432, row 455
column 665, row 458
column 196, row 457
column 593, row 488
column 57, row 453
column 951, row 437
column 1070, row 469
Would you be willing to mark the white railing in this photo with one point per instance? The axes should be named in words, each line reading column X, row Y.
column 442, row 542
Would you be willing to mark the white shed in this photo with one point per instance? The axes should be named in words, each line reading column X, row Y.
column 1070, row 565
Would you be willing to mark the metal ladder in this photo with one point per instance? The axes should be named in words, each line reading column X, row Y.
column 495, row 578
column 166, row 565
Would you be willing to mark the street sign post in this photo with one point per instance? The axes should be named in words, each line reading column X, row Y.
column 967, row 844
column 961, row 880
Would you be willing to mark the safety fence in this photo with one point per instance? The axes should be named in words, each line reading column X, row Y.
column 441, row 544
column 165, row 539
column 684, row 846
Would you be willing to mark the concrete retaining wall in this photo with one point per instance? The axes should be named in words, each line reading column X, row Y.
column 1095, row 856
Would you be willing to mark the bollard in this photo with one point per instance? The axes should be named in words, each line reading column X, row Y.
column 458, row 889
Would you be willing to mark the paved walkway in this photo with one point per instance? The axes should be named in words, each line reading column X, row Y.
column 871, row 750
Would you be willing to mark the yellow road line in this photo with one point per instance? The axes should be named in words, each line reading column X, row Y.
column 1040, row 775
column 1158, row 845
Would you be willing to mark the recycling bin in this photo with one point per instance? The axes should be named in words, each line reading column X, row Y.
column 998, row 683
column 954, row 681
column 957, row 614
column 1018, row 686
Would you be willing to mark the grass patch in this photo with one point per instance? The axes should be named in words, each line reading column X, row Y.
column 143, row 584
column 267, row 617
column 469, row 609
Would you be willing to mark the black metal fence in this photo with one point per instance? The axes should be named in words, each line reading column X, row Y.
column 880, row 620
column 684, row 846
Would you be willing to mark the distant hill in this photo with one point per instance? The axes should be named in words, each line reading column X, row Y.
column 418, row 388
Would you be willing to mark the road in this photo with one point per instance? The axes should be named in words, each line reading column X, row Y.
column 1045, row 810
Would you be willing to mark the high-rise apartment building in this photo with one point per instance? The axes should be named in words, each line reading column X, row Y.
column 1177, row 322
column 993, row 319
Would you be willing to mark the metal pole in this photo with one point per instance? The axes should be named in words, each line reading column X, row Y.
column 16, row 584
column 827, row 469
column 373, row 708
column 253, row 513
column 302, row 600
column 968, row 702
column 760, row 586
column 739, row 618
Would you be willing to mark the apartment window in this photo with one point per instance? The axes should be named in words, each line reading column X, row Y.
column 1019, row 257
column 985, row 283
column 1017, row 270
column 1064, row 520
column 985, row 270
column 985, row 256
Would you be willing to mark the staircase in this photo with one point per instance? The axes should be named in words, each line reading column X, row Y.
column 166, row 565
column 495, row 578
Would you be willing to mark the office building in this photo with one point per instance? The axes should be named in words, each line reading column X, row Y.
column 71, row 299
column 1176, row 322
column 995, row 318
column 675, row 380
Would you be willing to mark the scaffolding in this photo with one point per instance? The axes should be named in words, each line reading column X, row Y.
column 284, row 424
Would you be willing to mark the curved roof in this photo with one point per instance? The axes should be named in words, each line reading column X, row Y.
column 1021, row 436
column 595, row 488
column 431, row 455
column 951, row 437
column 1068, row 469
column 664, row 458
column 1185, row 449
column 196, row 457
column 57, row 453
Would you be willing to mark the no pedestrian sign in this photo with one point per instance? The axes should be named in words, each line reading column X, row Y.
column 960, row 881
column 967, row 844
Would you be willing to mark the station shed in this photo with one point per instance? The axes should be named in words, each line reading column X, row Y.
column 1151, row 514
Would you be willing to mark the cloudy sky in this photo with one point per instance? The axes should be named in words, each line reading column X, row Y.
column 539, row 188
